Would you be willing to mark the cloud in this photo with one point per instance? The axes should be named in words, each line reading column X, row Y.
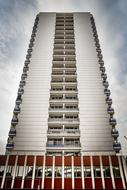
column 17, row 22
column 17, row 18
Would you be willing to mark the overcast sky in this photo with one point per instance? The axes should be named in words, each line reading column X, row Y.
column 16, row 22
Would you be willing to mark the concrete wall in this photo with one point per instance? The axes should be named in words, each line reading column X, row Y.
column 32, row 126
column 94, row 120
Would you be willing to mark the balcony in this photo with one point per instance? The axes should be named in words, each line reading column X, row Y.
column 16, row 109
column 114, row 133
column 10, row 145
column 110, row 111
column 109, row 101
column 18, row 100
column 106, row 84
column 104, row 76
column 20, row 91
column 71, row 143
column 57, row 80
column 12, row 132
column 70, row 80
column 22, row 83
column 71, row 100
column 61, row 120
column 27, row 63
column 102, row 68
column 112, row 121
column 101, row 62
column 24, row 76
column 117, row 146
column 98, row 49
column 107, row 92
column 54, row 145
column 14, row 121
column 29, row 51
column 57, row 73
column 100, row 55
column 63, row 110
column 66, row 132
column 25, row 68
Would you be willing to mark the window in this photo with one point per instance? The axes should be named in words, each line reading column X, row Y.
column 116, row 171
column 58, row 171
column 106, row 171
column 87, row 171
column 2, row 170
column 38, row 171
column 67, row 172
column 77, row 172
column 19, row 171
column 28, row 171
column 48, row 171
column 97, row 172
column 10, row 171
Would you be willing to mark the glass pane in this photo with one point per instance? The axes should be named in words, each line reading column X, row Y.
column 2, row 170
column 77, row 172
column 97, row 172
column 58, row 171
column 67, row 172
column 87, row 172
column 38, row 171
column 106, row 171
column 48, row 171
column 19, row 171
column 10, row 171
column 116, row 171
column 28, row 171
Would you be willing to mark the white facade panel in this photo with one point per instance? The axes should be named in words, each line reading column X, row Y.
column 32, row 126
column 94, row 119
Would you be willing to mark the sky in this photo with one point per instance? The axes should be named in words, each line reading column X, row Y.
column 16, row 22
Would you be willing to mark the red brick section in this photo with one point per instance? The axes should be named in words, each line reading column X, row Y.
column 114, row 160
column 86, row 160
column 67, row 161
column 96, row 161
column 108, row 183
column 48, row 183
column 105, row 160
column 88, row 183
column 27, row 183
column 11, row 161
column 17, row 183
column 30, row 160
column 78, row 183
column 67, row 183
column 77, row 161
column 21, row 160
column 7, row 183
column 58, row 183
column 3, row 160
column 39, row 161
column 37, row 183
column 58, row 161
column 49, row 161
column 98, row 183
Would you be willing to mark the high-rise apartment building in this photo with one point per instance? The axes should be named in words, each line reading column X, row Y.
column 63, row 133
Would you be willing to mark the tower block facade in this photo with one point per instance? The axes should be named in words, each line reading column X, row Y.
column 63, row 133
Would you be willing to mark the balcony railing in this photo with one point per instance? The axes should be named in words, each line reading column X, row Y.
column 54, row 145
column 63, row 145
column 63, row 119
column 58, row 131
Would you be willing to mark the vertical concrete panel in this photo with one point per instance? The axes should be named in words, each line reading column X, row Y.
column 32, row 127
column 94, row 119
